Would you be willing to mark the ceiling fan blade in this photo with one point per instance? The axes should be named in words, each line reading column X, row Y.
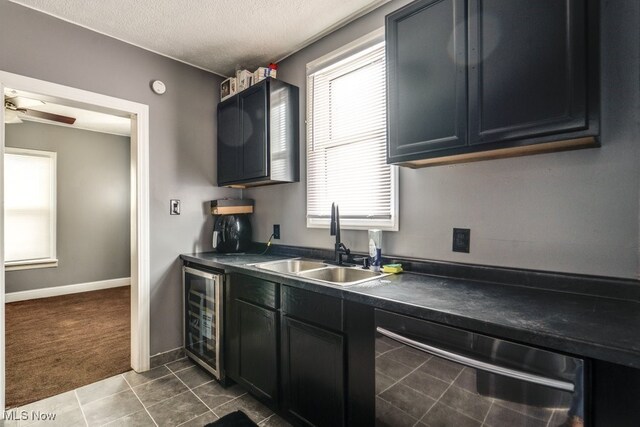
column 49, row 116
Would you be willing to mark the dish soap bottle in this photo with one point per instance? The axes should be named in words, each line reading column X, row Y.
column 375, row 249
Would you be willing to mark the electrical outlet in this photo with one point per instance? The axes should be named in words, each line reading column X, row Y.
column 461, row 239
column 276, row 231
column 174, row 207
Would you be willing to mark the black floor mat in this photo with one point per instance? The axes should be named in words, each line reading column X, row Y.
column 234, row 419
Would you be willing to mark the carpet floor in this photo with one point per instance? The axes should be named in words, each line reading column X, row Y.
column 57, row 344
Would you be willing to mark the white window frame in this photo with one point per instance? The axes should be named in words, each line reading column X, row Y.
column 348, row 50
column 52, row 260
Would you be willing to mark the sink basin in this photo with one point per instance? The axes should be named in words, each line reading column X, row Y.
column 341, row 275
column 290, row 265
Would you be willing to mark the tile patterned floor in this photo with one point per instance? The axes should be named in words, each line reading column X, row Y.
column 176, row 394
column 416, row 389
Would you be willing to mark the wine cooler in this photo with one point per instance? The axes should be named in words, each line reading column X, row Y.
column 202, row 295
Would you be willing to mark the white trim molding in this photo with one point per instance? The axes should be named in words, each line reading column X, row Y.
column 140, row 251
column 66, row 290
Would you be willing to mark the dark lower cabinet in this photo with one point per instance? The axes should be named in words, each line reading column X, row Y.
column 313, row 373
column 257, row 341
column 252, row 336
column 290, row 348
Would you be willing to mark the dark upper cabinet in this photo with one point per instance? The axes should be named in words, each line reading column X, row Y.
column 427, row 78
column 258, row 133
column 229, row 146
column 474, row 79
column 527, row 74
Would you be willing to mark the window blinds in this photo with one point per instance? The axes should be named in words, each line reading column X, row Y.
column 29, row 195
column 346, row 142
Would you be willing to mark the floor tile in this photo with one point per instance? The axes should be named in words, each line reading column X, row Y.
column 442, row 416
column 214, row 395
column 111, row 408
column 158, row 390
column 275, row 421
column 391, row 368
column 425, row 383
column 136, row 379
column 247, row 404
column 194, row 376
column 442, row 369
column 179, row 365
column 467, row 380
column 101, row 389
column 467, row 403
column 388, row 415
column 202, row 420
column 500, row 416
column 407, row 356
column 70, row 418
column 408, row 400
column 383, row 382
column 532, row 411
column 177, row 410
column 137, row 419
column 56, row 404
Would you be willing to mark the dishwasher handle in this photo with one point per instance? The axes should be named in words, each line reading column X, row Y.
column 478, row 364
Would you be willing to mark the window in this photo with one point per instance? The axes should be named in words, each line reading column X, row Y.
column 346, row 138
column 30, row 208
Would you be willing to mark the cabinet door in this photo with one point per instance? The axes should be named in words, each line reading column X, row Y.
column 313, row 373
column 229, row 144
column 257, row 349
column 426, row 78
column 253, row 132
column 527, row 69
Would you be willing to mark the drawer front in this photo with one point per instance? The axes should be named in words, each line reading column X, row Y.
column 256, row 291
column 313, row 307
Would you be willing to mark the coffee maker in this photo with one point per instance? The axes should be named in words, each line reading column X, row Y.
column 232, row 228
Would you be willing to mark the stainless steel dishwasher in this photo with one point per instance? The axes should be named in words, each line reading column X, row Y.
column 202, row 318
column 435, row 375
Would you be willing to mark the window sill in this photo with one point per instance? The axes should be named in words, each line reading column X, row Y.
column 28, row 265
column 351, row 224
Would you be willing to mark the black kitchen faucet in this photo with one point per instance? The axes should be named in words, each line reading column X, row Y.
column 340, row 248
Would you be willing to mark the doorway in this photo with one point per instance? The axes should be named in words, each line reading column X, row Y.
column 139, row 218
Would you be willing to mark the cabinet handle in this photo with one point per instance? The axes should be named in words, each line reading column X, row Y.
column 478, row 364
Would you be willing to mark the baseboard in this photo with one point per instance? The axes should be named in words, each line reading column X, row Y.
column 66, row 290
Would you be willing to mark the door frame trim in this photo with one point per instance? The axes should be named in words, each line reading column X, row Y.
column 140, row 249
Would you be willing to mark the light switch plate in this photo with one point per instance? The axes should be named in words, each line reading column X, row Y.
column 174, row 207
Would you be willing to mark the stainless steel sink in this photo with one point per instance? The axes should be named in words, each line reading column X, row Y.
column 320, row 271
column 341, row 275
column 292, row 266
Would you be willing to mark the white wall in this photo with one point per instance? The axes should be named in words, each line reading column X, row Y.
column 93, row 212
column 569, row 212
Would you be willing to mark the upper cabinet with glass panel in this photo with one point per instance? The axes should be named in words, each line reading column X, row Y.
column 258, row 134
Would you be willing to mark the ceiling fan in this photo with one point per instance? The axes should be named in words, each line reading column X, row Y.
column 19, row 107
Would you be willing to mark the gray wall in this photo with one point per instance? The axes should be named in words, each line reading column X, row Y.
column 571, row 212
column 93, row 198
column 182, row 134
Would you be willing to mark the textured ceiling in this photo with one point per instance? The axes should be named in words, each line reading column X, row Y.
column 216, row 35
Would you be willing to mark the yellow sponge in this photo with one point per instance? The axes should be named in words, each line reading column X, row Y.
column 392, row 268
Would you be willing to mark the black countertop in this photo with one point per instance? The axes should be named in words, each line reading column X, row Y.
column 589, row 326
